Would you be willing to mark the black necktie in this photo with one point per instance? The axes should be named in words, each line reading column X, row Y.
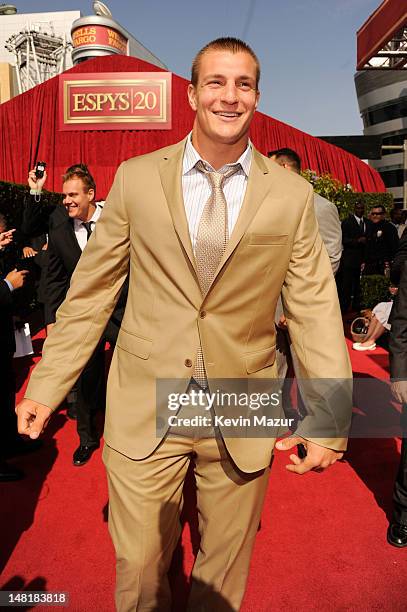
column 88, row 227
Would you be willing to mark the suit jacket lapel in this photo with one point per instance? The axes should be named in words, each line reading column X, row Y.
column 257, row 189
column 361, row 230
column 68, row 246
column 70, row 230
column 171, row 180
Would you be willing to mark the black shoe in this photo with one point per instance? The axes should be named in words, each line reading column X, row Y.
column 397, row 535
column 22, row 447
column 83, row 454
column 9, row 473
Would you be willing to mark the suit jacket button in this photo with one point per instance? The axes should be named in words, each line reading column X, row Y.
column 188, row 363
column 202, row 314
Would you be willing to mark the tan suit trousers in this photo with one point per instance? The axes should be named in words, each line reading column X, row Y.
column 144, row 523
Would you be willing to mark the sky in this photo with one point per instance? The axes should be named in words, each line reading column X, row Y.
column 306, row 48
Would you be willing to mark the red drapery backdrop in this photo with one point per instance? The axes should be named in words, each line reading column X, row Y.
column 29, row 132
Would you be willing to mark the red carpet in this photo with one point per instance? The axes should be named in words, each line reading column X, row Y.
column 322, row 544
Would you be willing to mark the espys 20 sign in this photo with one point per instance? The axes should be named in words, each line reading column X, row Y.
column 115, row 101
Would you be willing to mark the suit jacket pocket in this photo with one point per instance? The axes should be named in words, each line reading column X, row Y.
column 141, row 347
column 268, row 238
column 260, row 359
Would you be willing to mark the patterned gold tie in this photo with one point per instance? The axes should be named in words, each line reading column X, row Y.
column 212, row 237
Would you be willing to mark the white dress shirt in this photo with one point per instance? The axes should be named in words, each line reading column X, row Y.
column 79, row 229
column 400, row 227
column 196, row 188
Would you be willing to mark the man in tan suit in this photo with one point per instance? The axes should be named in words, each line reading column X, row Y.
column 208, row 256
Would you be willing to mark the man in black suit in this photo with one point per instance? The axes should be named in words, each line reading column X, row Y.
column 70, row 227
column 382, row 242
column 397, row 532
column 8, row 422
column 399, row 259
column 354, row 230
column 35, row 239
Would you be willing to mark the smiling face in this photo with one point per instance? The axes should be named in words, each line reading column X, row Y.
column 376, row 215
column 224, row 98
column 78, row 202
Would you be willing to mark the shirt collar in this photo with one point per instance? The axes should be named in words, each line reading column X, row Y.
column 93, row 219
column 191, row 157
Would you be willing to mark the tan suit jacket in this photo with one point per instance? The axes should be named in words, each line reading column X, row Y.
column 275, row 248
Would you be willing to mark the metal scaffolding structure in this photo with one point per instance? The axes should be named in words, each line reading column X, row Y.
column 393, row 55
column 39, row 55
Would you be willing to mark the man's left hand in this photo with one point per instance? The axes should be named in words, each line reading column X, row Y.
column 36, row 183
column 399, row 390
column 318, row 457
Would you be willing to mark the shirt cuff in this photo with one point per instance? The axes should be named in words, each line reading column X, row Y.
column 10, row 286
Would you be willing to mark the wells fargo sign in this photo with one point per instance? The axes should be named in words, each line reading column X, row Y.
column 99, row 35
column 115, row 101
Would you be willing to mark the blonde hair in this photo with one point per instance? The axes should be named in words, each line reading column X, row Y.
column 80, row 171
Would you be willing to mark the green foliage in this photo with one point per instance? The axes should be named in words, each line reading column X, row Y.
column 12, row 198
column 370, row 200
column 374, row 288
column 327, row 186
column 343, row 195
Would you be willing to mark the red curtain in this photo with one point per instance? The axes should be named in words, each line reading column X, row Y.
column 29, row 132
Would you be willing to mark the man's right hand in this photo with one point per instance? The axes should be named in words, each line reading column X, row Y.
column 17, row 278
column 6, row 238
column 34, row 182
column 32, row 418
